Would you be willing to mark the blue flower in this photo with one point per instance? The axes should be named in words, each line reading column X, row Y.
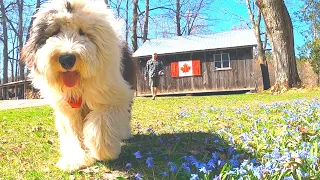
column 231, row 139
column 200, row 165
column 267, row 155
column 164, row 174
column 309, row 112
column 244, row 163
column 258, row 172
column 276, row 153
column 138, row 176
column 128, row 165
column 211, row 163
column 173, row 168
column 194, row 177
column 149, row 161
column 242, row 171
column 138, row 155
column 215, row 156
column 216, row 178
column 254, row 161
column 304, row 154
column 234, row 162
column 186, row 167
column 230, row 150
column 288, row 178
column 203, row 169
column 264, row 130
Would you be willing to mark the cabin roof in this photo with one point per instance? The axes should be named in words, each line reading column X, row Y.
column 221, row 40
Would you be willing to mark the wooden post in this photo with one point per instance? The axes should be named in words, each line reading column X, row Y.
column 15, row 91
column 7, row 93
column 24, row 90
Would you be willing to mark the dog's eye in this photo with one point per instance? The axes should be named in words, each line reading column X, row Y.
column 42, row 41
column 55, row 32
column 81, row 32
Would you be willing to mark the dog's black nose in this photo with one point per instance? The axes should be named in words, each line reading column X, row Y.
column 67, row 61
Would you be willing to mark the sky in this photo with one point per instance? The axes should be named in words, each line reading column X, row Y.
column 230, row 13
column 236, row 12
column 227, row 14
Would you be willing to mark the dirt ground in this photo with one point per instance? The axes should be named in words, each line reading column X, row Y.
column 13, row 104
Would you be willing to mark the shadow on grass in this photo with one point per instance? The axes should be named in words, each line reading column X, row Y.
column 168, row 149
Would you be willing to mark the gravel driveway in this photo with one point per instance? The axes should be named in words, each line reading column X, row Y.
column 12, row 104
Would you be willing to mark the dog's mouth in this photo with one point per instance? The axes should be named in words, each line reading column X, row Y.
column 70, row 78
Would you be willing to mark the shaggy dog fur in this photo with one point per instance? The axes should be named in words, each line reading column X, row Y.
column 79, row 63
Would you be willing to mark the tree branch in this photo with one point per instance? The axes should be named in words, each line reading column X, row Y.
column 12, row 3
column 259, row 17
column 251, row 13
column 160, row 7
column 12, row 26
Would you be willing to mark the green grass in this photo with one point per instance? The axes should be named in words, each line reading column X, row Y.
column 29, row 146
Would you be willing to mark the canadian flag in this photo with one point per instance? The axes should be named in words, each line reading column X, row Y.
column 185, row 68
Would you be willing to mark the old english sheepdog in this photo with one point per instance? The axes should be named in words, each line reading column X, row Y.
column 82, row 67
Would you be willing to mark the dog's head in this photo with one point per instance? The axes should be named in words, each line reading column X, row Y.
column 72, row 40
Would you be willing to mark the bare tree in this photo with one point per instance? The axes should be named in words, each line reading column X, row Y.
column 256, row 24
column 280, row 33
column 127, row 20
column 188, row 16
column 20, row 35
column 5, row 46
column 146, row 22
column 117, row 6
column 134, row 25
column 178, row 17
column 38, row 3
column 5, row 42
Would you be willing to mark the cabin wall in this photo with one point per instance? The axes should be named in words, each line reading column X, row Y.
column 238, row 77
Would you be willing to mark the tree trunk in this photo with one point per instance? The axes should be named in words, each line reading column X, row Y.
column 146, row 22
column 31, row 22
column 5, row 48
column 134, row 25
column 178, row 17
column 127, row 20
column 32, row 19
column 280, row 33
column 12, row 62
column 20, row 35
column 260, row 48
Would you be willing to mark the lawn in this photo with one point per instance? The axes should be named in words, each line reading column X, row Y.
column 249, row 136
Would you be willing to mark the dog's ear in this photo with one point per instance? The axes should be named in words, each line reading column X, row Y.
column 35, row 39
column 28, row 52
column 128, row 66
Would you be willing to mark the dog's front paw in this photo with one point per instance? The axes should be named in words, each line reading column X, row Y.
column 128, row 136
column 68, row 165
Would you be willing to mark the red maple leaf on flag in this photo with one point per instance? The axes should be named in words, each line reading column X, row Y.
column 185, row 68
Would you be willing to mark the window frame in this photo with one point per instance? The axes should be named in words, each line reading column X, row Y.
column 221, row 61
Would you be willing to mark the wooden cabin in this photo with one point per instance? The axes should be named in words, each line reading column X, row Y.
column 200, row 63
column 18, row 90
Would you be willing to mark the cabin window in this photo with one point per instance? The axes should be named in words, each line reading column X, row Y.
column 221, row 61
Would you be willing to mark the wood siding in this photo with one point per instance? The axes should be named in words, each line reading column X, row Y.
column 239, row 77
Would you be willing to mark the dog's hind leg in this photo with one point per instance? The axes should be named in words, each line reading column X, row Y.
column 104, row 129
column 74, row 157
